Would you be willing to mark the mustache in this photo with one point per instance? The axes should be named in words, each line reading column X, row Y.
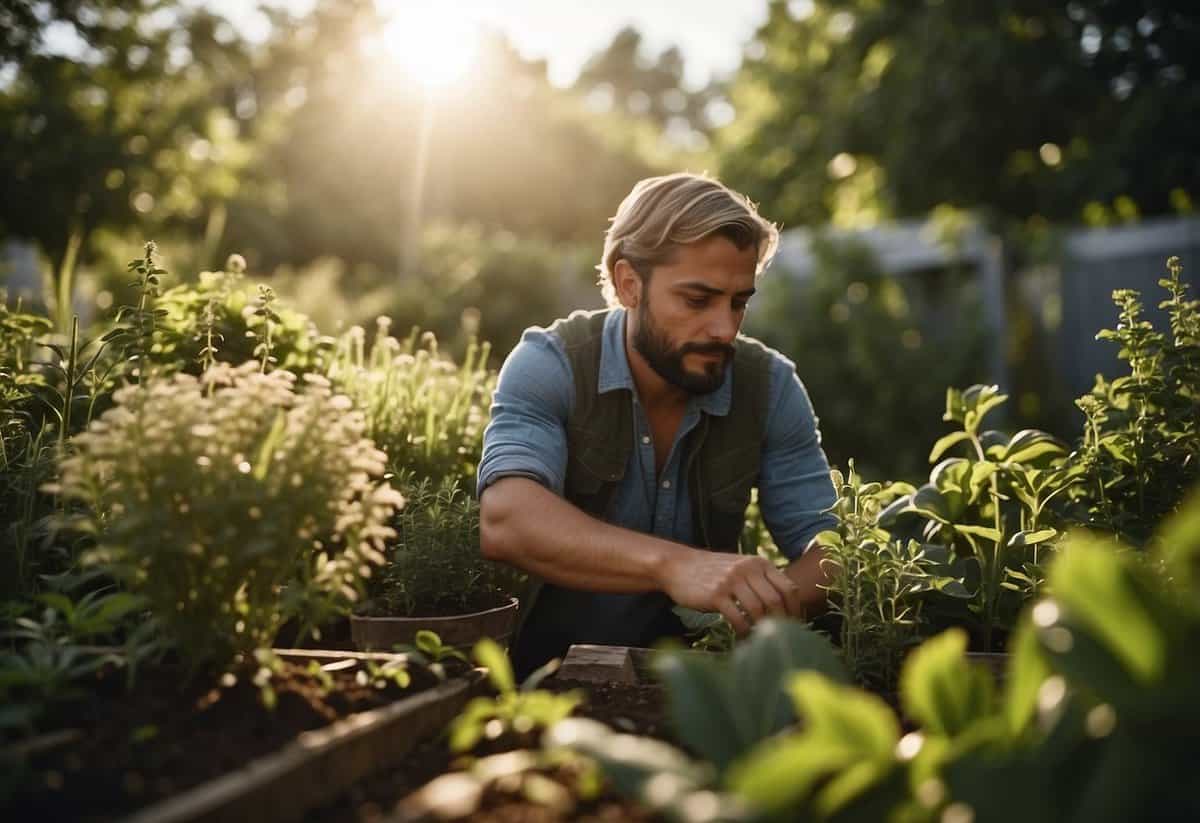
column 707, row 348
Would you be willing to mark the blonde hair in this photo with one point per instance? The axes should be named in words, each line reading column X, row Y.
column 663, row 213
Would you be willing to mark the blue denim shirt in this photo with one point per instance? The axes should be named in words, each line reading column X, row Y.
column 527, row 437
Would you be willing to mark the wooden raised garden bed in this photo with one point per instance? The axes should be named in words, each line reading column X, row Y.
column 183, row 756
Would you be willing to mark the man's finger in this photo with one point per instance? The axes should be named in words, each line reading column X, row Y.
column 741, row 626
column 788, row 589
column 773, row 600
column 748, row 601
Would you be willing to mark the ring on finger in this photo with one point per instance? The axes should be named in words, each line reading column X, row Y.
column 737, row 604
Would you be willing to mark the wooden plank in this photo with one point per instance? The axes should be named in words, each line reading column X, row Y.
column 598, row 664
column 321, row 764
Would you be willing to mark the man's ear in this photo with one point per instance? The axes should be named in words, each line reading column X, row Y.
column 628, row 284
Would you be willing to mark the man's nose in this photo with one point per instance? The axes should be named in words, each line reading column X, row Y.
column 723, row 326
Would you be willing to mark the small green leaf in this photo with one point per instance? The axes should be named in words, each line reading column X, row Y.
column 488, row 654
column 946, row 442
column 985, row 532
column 1031, row 538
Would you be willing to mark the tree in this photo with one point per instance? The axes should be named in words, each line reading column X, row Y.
column 1018, row 107
column 132, row 125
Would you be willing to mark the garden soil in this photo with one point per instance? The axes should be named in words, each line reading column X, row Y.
column 170, row 734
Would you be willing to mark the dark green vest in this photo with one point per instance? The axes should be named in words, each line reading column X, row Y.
column 721, row 454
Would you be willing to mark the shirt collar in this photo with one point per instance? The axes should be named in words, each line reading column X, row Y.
column 615, row 373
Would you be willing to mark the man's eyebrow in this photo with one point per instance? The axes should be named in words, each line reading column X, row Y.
column 695, row 285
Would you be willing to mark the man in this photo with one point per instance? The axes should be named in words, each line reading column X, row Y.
column 624, row 444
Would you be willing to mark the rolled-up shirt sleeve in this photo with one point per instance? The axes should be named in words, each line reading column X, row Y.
column 795, row 489
column 527, row 435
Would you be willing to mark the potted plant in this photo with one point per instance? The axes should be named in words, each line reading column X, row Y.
column 434, row 576
column 428, row 414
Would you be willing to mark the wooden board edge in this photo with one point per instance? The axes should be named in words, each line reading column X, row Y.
column 320, row 764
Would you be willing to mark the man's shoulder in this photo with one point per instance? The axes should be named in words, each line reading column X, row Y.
column 580, row 327
column 754, row 357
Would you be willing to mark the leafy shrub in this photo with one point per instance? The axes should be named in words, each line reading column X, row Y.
column 1140, row 450
column 223, row 319
column 434, row 566
column 878, row 584
column 1095, row 719
column 473, row 282
column 427, row 413
column 991, row 507
column 233, row 502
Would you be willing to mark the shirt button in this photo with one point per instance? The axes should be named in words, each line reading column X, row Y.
column 646, row 438
column 666, row 484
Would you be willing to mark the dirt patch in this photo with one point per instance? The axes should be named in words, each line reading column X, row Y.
column 636, row 709
column 169, row 734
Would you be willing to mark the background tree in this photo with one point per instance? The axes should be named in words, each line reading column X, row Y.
column 128, row 123
column 1023, row 108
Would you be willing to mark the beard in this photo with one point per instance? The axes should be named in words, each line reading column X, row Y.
column 667, row 361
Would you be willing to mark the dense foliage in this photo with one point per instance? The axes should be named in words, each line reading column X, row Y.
column 234, row 502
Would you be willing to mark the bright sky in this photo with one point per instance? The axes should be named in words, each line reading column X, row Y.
column 709, row 33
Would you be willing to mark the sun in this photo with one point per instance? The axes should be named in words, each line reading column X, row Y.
column 430, row 42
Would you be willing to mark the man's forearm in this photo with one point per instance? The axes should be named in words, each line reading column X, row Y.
column 526, row 525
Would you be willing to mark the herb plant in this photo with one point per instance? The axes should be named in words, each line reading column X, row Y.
column 1140, row 451
column 222, row 318
column 991, row 505
column 427, row 413
column 514, row 711
column 878, row 584
column 433, row 565
column 236, row 509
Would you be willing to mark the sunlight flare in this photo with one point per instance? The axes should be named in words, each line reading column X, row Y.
column 433, row 44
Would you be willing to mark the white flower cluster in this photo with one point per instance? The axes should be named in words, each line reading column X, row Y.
column 236, row 501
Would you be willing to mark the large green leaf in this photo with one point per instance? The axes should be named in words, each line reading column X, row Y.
column 1027, row 670
column 1096, row 586
column 1179, row 541
column 841, row 715
column 760, row 666
column 703, row 709
column 941, row 690
column 843, row 728
column 723, row 707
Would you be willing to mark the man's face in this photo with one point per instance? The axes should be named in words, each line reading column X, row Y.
column 690, row 312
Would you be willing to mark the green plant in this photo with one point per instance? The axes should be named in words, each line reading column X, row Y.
column 433, row 565
column 519, row 711
column 877, row 584
column 222, row 319
column 992, row 505
column 1095, row 720
column 53, row 651
column 1140, row 450
column 739, row 696
column 233, row 510
column 427, row 413
column 135, row 327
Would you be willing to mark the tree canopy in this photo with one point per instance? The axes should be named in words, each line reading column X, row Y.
column 853, row 108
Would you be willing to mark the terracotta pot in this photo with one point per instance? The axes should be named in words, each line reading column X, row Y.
column 460, row 630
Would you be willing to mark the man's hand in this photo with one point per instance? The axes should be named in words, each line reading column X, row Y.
column 743, row 588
